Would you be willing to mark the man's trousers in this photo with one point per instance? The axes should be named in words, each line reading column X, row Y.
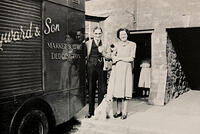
column 97, row 79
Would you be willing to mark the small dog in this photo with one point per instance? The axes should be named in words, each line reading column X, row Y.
column 104, row 110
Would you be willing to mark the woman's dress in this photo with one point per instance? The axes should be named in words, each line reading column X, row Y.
column 145, row 77
column 120, row 83
column 123, row 77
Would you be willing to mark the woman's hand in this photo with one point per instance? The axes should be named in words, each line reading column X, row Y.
column 116, row 59
column 100, row 48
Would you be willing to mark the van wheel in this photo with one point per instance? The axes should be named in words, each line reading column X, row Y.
column 34, row 122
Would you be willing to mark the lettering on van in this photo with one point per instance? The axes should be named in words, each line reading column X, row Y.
column 76, row 1
column 18, row 35
column 68, row 51
column 51, row 28
column 22, row 34
column 64, row 56
column 55, row 45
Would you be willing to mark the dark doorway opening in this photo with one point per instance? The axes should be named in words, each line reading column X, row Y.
column 143, row 52
column 186, row 42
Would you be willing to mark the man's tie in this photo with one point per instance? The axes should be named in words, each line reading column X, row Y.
column 97, row 42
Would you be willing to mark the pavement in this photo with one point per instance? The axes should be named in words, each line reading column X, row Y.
column 179, row 116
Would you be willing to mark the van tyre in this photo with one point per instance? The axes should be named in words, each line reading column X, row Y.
column 33, row 122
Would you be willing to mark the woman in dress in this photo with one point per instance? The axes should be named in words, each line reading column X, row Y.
column 145, row 77
column 123, row 76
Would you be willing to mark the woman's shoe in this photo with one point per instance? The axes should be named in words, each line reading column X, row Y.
column 116, row 115
column 124, row 117
column 107, row 116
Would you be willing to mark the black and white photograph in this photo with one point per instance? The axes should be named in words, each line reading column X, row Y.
column 99, row 66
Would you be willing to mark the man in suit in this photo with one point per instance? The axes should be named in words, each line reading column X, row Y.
column 97, row 77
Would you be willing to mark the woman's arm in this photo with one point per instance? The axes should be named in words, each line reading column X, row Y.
column 132, row 54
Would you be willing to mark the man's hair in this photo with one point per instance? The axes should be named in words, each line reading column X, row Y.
column 122, row 29
column 97, row 27
column 82, row 30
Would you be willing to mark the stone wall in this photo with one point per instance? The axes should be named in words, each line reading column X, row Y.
column 159, row 66
column 171, row 13
column 120, row 14
column 163, row 14
column 155, row 15
column 177, row 83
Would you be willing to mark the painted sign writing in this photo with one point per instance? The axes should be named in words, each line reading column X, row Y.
column 76, row 1
column 51, row 28
column 22, row 34
column 54, row 45
column 68, row 51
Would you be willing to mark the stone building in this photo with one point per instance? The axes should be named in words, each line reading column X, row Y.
column 166, row 31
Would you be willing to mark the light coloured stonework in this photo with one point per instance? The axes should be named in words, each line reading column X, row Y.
column 157, row 15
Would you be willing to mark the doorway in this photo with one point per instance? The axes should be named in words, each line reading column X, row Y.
column 143, row 54
column 186, row 42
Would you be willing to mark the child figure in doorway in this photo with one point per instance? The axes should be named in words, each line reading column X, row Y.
column 145, row 77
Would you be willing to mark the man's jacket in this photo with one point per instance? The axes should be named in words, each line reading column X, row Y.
column 103, row 50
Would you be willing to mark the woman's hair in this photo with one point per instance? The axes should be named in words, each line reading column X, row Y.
column 97, row 27
column 122, row 29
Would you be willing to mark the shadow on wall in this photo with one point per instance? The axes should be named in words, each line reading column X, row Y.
column 177, row 82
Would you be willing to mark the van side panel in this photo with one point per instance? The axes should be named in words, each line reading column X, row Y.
column 20, row 56
column 64, row 59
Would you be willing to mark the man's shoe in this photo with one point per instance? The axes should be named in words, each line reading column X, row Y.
column 116, row 115
column 88, row 116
